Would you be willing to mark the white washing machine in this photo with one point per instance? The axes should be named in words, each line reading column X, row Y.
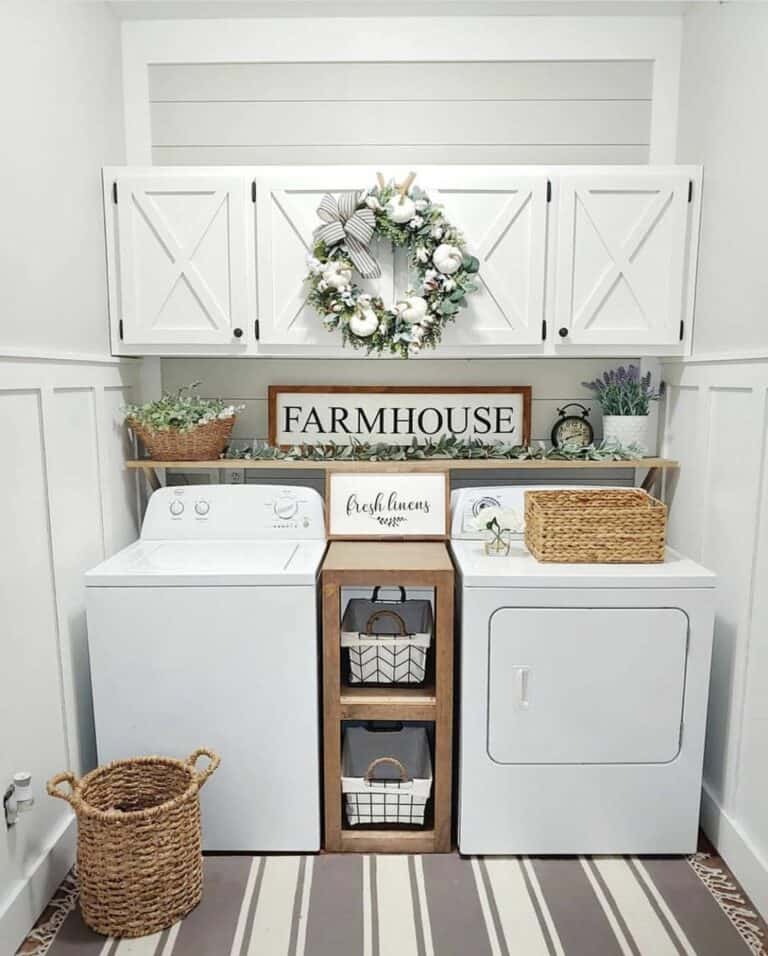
column 583, row 697
column 204, row 632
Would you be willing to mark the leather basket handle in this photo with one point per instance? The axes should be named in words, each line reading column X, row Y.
column 395, row 587
column 385, row 613
column 404, row 778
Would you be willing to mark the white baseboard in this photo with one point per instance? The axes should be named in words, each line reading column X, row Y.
column 733, row 845
column 26, row 901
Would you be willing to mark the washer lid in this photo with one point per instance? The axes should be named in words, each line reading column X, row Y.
column 210, row 563
column 519, row 569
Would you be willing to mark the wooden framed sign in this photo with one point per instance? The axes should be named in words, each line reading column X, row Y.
column 396, row 505
column 396, row 415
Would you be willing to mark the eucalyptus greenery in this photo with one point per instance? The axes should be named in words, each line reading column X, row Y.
column 448, row 447
column 623, row 391
column 441, row 294
column 181, row 410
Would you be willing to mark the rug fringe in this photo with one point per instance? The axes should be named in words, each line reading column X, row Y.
column 730, row 901
column 62, row 904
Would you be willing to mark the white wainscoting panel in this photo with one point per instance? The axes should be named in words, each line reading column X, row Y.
column 68, row 503
column 716, row 422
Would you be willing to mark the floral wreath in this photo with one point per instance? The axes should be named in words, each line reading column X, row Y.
column 408, row 218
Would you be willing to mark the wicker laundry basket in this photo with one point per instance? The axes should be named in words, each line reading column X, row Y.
column 202, row 443
column 600, row 526
column 139, row 856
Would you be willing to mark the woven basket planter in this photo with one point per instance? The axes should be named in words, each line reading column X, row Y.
column 604, row 526
column 139, row 856
column 203, row 443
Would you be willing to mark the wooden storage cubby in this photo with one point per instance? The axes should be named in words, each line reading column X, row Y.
column 417, row 564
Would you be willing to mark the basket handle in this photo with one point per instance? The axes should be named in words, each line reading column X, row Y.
column 203, row 775
column 387, row 613
column 404, row 778
column 73, row 797
column 395, row 587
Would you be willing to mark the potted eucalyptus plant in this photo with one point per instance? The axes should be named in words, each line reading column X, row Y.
column 625, row 397
column 182, row 425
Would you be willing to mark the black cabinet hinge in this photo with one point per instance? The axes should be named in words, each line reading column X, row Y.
column 114, row 192
column 682, row 329
column 543, row 330
column 257, row 329
column 253, row 191
column 690, row 190
column 549, row 190
column 120, row 328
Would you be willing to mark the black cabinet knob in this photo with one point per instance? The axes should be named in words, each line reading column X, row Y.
column 563, row 333
column 238, row 333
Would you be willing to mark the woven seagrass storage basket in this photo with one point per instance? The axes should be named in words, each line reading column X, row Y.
column 600, row 526
column 139, row 856
column 203, row 443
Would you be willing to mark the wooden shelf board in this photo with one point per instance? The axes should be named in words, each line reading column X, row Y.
column 365, row 558
column 441, row 464
column 423, row 694
column 375, row 841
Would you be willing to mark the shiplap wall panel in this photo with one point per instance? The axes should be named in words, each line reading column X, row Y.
column 419, row 122
column 245, row 382
column 563, row 80
column 301, row 113
column 387, row 154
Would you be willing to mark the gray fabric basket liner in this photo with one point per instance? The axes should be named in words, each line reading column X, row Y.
column 410, row 746
column 416, row 615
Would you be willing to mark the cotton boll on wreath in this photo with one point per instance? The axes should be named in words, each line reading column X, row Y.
column 364, row 323
column 447, row 258
column 401, row 209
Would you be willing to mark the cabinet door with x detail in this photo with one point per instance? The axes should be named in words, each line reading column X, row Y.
column 622, row 248
column 183, row 259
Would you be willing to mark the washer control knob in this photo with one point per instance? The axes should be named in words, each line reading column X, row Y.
column 202, row 507
column 176, row 507
column 286, row 508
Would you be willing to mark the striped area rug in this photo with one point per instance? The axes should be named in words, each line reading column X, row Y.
column 440, row 906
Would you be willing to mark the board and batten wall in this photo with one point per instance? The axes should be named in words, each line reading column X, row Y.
column 716, row 418
column 397, row 113
column 67, row 499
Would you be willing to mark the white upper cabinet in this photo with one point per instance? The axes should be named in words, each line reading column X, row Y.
column 503, row 218
column 622, row 249
column 182, row 254
column 286, row 218
column 573, row 260
column 504, row 221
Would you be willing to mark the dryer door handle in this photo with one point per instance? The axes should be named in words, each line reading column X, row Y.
column 522, row 686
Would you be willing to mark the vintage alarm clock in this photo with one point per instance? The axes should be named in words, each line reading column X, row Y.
column 572, row 430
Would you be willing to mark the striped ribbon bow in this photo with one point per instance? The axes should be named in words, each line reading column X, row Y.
column 344, row 222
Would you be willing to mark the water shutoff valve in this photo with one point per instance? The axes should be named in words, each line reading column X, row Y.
column 18, row 797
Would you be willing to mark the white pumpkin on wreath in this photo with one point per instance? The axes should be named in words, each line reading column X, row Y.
column 405, row 216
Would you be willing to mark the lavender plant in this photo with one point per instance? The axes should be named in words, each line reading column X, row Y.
column 624, row 391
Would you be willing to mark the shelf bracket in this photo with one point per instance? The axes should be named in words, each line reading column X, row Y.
column 651, row 480
column 150, row 474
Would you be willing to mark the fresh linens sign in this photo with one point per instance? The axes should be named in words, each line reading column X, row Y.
column 387, row 505
column 319, row 415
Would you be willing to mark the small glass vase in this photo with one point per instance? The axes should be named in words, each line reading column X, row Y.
column 498, row 542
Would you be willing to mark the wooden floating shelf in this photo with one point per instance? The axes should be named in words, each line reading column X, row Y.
column 431, row 464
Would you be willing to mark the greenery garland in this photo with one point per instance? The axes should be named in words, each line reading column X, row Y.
column 446, row 448
column 436, row 255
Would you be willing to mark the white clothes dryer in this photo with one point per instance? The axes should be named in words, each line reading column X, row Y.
column 204, row 632
column 583, row 697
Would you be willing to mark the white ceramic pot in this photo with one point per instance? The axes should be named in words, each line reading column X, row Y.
column 626, row 430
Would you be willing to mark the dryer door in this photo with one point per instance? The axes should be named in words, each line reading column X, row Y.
column 586, row 685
